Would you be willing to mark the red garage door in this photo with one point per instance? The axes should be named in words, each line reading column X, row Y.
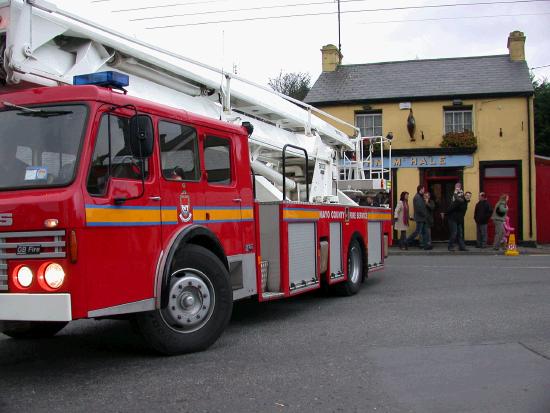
column 502, row 180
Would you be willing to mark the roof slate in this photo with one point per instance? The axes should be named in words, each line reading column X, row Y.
column 459, row 77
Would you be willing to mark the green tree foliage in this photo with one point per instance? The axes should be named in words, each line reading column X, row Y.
column 295, row 85
column 542, row 117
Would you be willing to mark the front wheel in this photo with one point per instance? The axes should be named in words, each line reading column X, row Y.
column 199, row 305
column 355, row 270
column 31, row 329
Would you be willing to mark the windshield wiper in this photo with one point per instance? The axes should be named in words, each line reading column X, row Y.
column 40, row 113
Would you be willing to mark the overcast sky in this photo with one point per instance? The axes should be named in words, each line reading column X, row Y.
column 260, row 49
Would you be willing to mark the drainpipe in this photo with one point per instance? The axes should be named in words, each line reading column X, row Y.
column 530, row 171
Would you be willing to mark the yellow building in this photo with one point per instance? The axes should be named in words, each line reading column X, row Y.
column 489, row 97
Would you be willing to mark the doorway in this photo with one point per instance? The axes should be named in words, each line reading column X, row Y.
column 440, row 183
column 503, row 179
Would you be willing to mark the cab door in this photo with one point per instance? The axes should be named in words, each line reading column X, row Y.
column 222, row 210
column 121, row 243
column 182, row 189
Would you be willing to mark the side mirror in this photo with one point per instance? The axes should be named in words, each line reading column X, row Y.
column 249, row 128
column 141, row 136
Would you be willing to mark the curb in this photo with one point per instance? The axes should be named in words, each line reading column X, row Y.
column 471, row 251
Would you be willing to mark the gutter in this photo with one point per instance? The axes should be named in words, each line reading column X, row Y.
column 463, row 96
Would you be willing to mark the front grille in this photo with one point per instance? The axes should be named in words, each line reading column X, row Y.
column 3, row 275
column 32, row 244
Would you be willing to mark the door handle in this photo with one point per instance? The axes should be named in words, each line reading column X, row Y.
column 154, row 198
column 237, row 200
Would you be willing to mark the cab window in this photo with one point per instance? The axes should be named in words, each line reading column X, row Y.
column 217, row 160
column 179, row 152
column 114, row 158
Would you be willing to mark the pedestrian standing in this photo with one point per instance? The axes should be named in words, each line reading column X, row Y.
column 462, row 213
column 381, row 199
column 458, row 192
column 430, row 206
column 499, row 216
column 482, row 214
column 455, row 218
column 401, row 216
column 419, row 217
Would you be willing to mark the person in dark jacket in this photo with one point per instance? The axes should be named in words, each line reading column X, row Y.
column 482, row 214
column 419, row 217
column 463, row 208
column 430, row 206
column 455, row 219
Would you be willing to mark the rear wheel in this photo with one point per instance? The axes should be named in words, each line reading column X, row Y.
column 200, row 301
column 355, row 270
column 31, row 329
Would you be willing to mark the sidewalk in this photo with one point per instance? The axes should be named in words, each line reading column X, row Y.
column 440, row 248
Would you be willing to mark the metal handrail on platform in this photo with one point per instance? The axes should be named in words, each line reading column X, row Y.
column 366, row 161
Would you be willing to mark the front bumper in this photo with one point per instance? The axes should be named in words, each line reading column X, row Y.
column 35, row 307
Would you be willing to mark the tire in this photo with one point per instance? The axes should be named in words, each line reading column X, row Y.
column 31, row 329
column 199, row 307
column 355, row 270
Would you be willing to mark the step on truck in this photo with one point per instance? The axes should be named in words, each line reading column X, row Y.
column 139, row 184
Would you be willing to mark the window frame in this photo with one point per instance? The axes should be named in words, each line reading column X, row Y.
column 149, row 168
column 79, row 152
column 455, row 110
column 215, row 134
column 197, row 147
column 373, row 113
column 501, row 169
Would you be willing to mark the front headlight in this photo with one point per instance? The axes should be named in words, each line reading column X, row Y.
column 24, row 276
column 54, row 275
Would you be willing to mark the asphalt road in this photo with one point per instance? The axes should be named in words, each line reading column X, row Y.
column 427, row 334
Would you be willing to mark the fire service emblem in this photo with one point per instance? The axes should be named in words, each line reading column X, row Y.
column 185, row 208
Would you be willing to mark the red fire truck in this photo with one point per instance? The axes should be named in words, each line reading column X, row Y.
column 116, row 206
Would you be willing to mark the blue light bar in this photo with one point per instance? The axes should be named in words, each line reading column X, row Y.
column 107, row 79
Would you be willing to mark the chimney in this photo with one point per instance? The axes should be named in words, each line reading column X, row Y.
column 516, row 46
column 331, row 58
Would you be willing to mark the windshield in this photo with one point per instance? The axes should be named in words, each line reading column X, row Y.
column 39, row 146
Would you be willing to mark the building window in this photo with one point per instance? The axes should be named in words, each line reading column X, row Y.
column 458, row 120
column 500, row 172
column 370, row 124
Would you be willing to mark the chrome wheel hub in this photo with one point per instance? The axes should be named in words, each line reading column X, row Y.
column 191, row 300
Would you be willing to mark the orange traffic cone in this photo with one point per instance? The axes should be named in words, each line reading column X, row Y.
column 511, row 248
